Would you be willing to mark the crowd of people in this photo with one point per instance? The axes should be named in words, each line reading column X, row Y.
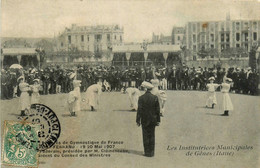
column 56, row 79
column 29, row 83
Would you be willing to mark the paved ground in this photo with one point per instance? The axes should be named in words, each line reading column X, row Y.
column 186, row 122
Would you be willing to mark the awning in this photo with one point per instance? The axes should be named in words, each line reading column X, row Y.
column 19, row 51
column 150, row 48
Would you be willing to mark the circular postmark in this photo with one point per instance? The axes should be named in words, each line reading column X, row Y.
column 49, row 125
column 26, row 136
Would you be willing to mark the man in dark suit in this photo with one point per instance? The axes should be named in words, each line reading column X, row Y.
column 148, row 114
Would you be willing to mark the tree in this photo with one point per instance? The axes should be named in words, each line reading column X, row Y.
column 45, row 45
column 42, row 54
column 87, row 54
column 74, row 52
column 252, row 57
column 202, row 52
column 212, row 52
column 234, row 52
column 98, row 54
column 107, row 53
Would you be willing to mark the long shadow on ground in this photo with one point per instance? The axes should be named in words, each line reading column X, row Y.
column 213, row 114
column 124, row 110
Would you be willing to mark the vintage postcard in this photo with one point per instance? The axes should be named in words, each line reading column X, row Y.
column 130, row 83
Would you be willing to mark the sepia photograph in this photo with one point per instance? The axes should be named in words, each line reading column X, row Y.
column 130, row 83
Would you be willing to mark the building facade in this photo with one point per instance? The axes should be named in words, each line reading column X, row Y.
column 161, row 39
column 178, row 35
column 90, row 38
column 221, row 35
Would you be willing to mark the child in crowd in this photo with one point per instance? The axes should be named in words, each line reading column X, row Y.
column 35, row 98
column 107, row 85
column 212, row 100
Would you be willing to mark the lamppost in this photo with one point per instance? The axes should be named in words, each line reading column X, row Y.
column 69, row 49
column 144, row 47
column 128, row 55
column 257, row 61
column 2, row 59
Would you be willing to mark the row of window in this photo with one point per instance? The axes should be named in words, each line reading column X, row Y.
column 97, row 47
column 225, row 37
column 245, row 36
column 222, row 26
column 98, row 38
column 222, row 46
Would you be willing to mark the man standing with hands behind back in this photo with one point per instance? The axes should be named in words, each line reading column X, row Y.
column 148, row 114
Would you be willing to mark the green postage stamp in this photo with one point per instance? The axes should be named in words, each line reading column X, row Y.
column 20, row 144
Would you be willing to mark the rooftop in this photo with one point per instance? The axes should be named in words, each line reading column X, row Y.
column 235, row 20
column 75, row 27
column 19, row 51
column 150, row 48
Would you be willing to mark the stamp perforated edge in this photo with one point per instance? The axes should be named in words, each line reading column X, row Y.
column 2, row 146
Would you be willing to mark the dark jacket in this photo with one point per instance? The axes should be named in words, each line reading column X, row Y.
column 148, row 109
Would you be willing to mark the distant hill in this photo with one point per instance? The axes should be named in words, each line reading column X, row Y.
column 11, row 42
column 21, row 41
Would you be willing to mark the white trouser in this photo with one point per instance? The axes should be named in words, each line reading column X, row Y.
column 164, row 84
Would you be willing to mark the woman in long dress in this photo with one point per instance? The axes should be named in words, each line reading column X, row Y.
column 134, row 95
column 92, row 95
column 212, row 100
column 74, row 98
column 24, row 97
column 227, row 103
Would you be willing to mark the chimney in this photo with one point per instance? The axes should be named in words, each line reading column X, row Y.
column 73, row 26
column 228, row 16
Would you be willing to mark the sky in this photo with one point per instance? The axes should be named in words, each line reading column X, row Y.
column 140, row 18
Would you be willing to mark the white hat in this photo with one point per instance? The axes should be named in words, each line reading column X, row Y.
column 157, row 74
column 21, row 77
column 76, row 83
column 33, row 70
column 23, row 85
column 72, row 75
column 147, row 85
column 212, row 78
column 37, row 80
column 229, row 80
